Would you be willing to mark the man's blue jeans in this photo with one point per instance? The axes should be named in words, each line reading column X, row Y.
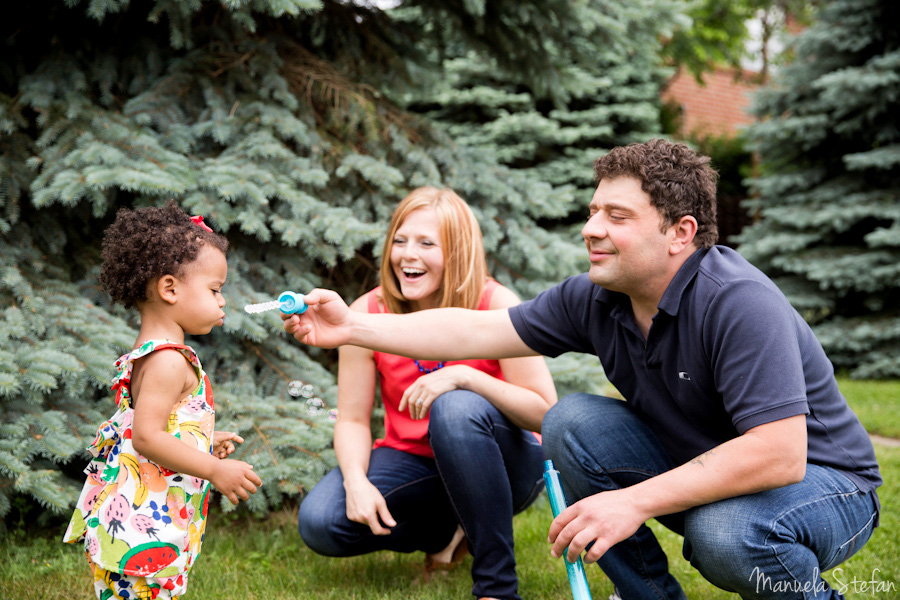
column 485, row 470
column 774, row 544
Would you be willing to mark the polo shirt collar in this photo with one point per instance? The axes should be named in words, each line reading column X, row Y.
column 606, row 296
column 671, row 299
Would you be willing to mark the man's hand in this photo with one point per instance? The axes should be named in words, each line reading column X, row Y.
column 604, row 519
column 326, row 322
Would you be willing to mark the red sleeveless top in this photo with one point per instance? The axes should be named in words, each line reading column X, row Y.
column 396, row 373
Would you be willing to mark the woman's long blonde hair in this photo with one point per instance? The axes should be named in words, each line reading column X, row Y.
column 465, row 266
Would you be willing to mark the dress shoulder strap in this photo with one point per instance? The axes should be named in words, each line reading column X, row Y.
column 373, row 305
column 489, row 287
column 121, row 383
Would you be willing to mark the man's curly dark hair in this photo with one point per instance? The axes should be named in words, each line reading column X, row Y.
column 144, row 244
column 678, row 180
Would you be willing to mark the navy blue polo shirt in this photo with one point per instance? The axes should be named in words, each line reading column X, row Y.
column 725, row 353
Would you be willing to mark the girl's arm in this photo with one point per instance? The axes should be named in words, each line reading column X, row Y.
column 161, row 380
column 357, row 377
column 524, row 398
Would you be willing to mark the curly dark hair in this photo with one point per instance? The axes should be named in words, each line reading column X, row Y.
column 678, row 180
column 146, row 243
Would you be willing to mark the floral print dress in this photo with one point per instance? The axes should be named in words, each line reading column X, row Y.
column 137, row 518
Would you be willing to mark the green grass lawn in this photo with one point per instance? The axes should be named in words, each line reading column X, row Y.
column 877, row 404
column 266, row 560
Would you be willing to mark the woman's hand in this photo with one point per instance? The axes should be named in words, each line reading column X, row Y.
column 419, row 397
column 366, row 505
column 223, row 443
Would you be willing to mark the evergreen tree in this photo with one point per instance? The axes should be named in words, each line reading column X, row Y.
column 604, row 92
column 828, row 193
column 276, row 121
column 607, row 96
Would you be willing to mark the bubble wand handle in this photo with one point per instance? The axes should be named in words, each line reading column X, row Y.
column 577, row 577
column 292, row 303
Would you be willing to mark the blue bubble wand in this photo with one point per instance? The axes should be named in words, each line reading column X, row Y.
column 290, row 303
column 577, row 577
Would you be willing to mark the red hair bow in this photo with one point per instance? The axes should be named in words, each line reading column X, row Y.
column 198, row 221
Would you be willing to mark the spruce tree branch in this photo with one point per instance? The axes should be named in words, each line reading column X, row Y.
column 270, row 364
column 266, row 443
column 338, row 101
column 231, row 63
column 302, row 449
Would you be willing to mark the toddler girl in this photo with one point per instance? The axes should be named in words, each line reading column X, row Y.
column 142, row 512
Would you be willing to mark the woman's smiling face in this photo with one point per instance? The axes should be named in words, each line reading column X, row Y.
column 417, row 258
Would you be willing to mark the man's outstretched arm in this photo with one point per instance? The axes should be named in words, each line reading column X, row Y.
column 437, row 334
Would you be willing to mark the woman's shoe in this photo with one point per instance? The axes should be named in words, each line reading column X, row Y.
column 451, row 556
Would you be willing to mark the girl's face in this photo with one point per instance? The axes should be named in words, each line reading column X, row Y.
column 417, row 258
column 200, row 301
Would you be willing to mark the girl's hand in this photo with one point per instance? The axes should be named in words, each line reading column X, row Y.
column 235, row 479
column 422, row 393
column 366, row 505
column 223, row 443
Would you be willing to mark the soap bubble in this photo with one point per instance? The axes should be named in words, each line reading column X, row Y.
column 315, row 407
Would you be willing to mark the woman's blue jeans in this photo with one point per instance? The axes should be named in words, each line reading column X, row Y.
column 774, row 544
column 485, row 470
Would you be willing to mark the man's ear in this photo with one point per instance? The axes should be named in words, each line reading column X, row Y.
column 682, row 234
column 167, row 288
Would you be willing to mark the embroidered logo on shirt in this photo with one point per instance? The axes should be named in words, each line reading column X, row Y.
column 683, row 375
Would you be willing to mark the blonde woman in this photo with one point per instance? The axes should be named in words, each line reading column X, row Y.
column 459, row 455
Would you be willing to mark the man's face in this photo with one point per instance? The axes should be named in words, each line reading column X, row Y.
column 626, row 247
